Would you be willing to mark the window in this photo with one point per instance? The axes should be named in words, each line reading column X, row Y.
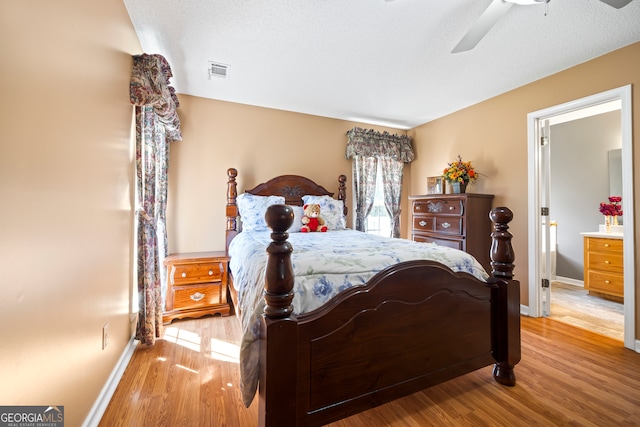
column 379, row 221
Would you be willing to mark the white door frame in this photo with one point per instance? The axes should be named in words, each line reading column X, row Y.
column 534, row 182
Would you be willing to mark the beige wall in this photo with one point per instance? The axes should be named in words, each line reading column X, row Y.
column 65, row 197
column 260, row 143
column 494, row 135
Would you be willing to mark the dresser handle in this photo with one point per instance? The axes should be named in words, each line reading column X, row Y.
column 607, row 282
column 607, row 262
column 451, row 208
column 422, row 223
column 197, row 296
column 184, row 274
column 446, row 225
column 606, row 245
column 210, row 272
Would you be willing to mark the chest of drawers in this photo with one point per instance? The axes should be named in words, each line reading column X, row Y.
column 460, row 221
column 603, row 267
column 196, row 285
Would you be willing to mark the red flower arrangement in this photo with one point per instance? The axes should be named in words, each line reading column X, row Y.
column 612, row 208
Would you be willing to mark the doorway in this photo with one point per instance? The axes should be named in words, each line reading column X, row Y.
column 539, row 224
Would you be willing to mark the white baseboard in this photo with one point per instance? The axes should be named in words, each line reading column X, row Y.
column 95, row 415
column 524, row 310
column 570, row 281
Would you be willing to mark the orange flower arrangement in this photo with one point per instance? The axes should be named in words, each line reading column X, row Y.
column 460, row 171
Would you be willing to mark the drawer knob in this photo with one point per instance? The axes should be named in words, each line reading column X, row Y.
column 184, row 274
column 210, row 272
column 607, row 262
column 607, row 282
column 451, row 208
column 197, row 296
column 446, row 225
column 422, row 223
column 606, row 245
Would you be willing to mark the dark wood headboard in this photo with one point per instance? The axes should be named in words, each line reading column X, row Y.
column 291, row 187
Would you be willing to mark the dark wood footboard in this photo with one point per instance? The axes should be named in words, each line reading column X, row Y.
column 413, row 325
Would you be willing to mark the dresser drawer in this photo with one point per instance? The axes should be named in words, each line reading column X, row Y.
column 604, row 245
column 606, row 262
column 183, row 274
column 455, row 244
column 441, row 206
column 423, row 223
column 194, row 296
column 449, row 225
column 607, row 283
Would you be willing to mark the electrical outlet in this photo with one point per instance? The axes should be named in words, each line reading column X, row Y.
column 105, row 335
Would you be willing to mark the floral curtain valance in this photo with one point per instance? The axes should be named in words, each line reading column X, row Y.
column 150, row 87
column 370, row 143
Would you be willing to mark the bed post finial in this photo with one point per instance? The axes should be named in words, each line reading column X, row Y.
column 501, row 250
column 278, row 288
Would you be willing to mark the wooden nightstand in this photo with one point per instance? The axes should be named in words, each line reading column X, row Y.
column 196, row 285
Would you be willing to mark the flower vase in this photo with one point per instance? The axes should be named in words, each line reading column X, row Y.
column 615, row 220
column 458, row 187
column 607, row 224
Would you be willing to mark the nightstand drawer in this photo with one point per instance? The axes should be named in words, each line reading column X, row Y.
column 182, row 274
column 201, row 295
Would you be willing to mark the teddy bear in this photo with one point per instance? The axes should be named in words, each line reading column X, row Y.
column 311, row 220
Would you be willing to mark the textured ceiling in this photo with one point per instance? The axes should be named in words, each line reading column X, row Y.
column 372, row 61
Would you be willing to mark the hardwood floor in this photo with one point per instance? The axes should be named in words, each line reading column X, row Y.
column 567, row 376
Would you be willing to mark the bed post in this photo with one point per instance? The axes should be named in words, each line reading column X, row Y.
column 506, row 341
column 278, row 345
column 232, row 208
column 342, row 192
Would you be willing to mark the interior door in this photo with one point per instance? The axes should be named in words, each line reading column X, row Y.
column 545, row 223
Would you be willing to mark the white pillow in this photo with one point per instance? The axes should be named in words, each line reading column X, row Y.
column 253, row 208
column 331, row 210
column 298, row 212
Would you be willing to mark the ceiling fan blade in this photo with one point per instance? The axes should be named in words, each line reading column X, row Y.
column 487, row 20
column 618, row 4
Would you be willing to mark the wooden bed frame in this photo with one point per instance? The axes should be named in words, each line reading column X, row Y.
column 413, row 325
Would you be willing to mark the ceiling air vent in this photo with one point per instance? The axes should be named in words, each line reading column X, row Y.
column 217, row 69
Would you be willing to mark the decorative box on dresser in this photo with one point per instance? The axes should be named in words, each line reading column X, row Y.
column 604, row 265
column 459, row 221
column 196, row 285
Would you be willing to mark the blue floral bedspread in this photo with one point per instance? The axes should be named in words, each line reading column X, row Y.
column 347, row 258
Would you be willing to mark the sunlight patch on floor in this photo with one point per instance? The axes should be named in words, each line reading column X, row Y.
column 187, row 339
column 224, row 351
